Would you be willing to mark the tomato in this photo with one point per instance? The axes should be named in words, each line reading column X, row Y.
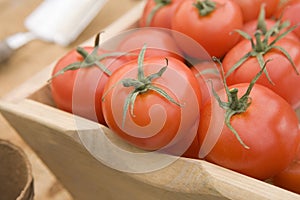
column 79, row 91
column 290, row 177
column 158, row 13
column 213, row 29
column 159, row 41
column 150, row 120
column 268, row 127
column 251, row 8
column 290, row 12
column 279, row 69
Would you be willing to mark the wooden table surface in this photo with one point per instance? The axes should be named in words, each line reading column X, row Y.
column 32, row 58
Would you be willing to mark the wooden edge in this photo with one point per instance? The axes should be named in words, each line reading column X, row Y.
column 198, row 176
column 184, row 175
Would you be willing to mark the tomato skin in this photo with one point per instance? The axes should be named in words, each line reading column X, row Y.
column 79, row 91
column 159, row 43
column 213, row 31
column 290, row 12
column 138, row 129
column 290, row 177
column 269, row 127
column 251, row 8
column 162, row 17
column 280, row 70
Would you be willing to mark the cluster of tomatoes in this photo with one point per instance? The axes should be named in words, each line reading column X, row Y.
column 160, row 90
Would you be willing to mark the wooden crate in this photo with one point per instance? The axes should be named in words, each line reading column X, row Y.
column 53, row 135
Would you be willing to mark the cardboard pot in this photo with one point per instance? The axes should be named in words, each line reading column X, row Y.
column 15, row 173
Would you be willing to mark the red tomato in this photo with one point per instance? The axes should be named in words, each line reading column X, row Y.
column 159, row 42
column 251, row 8
column 213, row 30
column 79, row 91
column 158, row 13
column 290, row 12
column 153, row 122
column 290, row 177
column 269, row 127
column 279, row 69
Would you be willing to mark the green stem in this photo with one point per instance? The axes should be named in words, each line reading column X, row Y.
column 261, row 23
column 235, row 105
column 159, row 4
column 263, row 44
column 90, row 59
column 205, row 7
column 142, row 85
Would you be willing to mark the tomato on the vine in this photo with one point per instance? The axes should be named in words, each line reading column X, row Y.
column 268, row 129
column 78, row 79
column 158, row 13
column 244, row 60
column 265, row 25
column 211, row 23
column 153, row 103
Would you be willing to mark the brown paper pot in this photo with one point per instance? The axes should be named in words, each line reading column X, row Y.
column 16, row 182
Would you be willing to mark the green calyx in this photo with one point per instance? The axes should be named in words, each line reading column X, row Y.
column 90, row 59
column 142, row 85
column 261, row 43
column 205, row 7
column 158, row 5
column 235, row 105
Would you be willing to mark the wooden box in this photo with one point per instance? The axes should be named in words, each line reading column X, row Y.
column 53, row 135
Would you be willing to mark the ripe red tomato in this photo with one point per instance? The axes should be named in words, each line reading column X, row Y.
column 153, row 122
column 159, row 43
column 213, row 29
column 290, row 12
column 269, row 127
column 290, row 177
column 158, row 13
column 79, row 91
column 279, row 69
column 251, row 8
